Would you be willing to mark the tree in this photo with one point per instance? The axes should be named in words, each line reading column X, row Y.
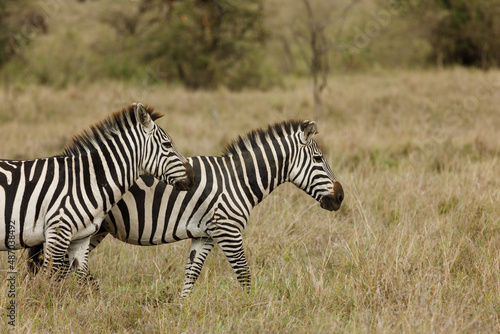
column 20, row 23
column 201, row 43
column 464, row 32
column 315, row 43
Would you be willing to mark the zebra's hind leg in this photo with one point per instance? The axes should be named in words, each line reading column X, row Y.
column 231, row 244
column 197, row 256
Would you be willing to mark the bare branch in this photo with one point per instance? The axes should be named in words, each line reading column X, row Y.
column 315, row 47
column 343, row 16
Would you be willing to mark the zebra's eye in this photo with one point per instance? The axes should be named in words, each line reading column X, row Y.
column 167, row 145
column 318, row 159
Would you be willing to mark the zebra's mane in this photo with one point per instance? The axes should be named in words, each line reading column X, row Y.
column 115, row 124
column 280, row 130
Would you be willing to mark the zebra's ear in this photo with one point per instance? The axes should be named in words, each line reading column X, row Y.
column 310, row 129
column 143, row 116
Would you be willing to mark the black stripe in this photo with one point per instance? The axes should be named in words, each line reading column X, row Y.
column 252, row 175
column 111, row 168
column 229, row 176
column 110, row 218
column 287, row 157
column 87, row 184
column 223, row 208
column 29, row 187
column 140, row 202
column 79, row 188
column 277, row 165
column 260, row 160
column 10, row 194
column 159, row 190
column 207, row 175
column 60, row 165
column 184, row 205
column 131, row 151
column 126, row 156
column 234, row 173
column 115, row 147
column 71, row 184
column 102, row 181
column 170, row 205
column 122, row 205
column 218, row 184
column 47, row 181
column 68, row 213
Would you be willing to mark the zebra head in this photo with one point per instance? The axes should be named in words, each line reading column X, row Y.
column 310, row 170
column 161, row 158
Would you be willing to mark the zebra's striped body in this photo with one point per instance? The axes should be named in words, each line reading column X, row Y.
column 62, row 200
column 217, row 208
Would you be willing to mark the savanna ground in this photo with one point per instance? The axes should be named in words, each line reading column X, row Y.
column 414, row 248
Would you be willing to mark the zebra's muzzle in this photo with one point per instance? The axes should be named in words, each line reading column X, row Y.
column 186, row 183
column 333, row 202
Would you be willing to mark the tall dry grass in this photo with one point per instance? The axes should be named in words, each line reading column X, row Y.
column 414, row 248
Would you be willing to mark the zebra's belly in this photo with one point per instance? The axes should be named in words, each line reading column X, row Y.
column 159, row 233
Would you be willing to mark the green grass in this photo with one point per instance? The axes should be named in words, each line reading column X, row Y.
column 414, row 247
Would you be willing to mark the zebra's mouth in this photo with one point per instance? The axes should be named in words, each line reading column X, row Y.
column 328, row 203
column 186, row 183
column 333, row 201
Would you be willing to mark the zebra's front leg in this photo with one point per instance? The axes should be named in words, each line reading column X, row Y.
column 35, row 260
column 232, row 246
column 58, row 238
column 197, row 256
column 78, row 256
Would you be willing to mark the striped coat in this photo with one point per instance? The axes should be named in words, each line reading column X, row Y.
column 62, row 200
column 217, row 208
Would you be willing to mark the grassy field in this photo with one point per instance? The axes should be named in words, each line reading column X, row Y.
column 414, row 248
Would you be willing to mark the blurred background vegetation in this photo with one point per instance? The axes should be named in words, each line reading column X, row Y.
column 205, row 44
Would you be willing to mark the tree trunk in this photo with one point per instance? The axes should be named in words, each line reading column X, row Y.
column 318, row 102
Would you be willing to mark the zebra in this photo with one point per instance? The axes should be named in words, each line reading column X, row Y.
column 217, row 208
column 62, row 200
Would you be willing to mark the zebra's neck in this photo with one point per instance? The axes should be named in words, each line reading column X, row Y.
column 260, row 174
column 114, row 167
column 112, row 151
column 263, row 158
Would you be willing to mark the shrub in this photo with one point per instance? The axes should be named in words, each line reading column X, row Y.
column 459, row 31
column 202, row 44
column 20, row 22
